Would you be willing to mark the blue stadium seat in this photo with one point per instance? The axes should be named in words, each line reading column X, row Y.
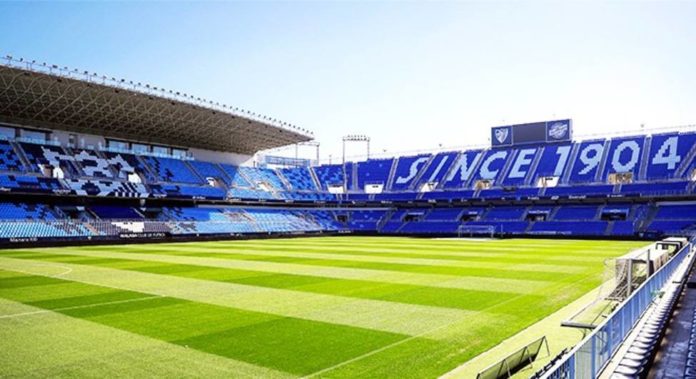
column 407, row 170
column 126, row 164
column 492, row 165
column 329, row 175
column 172, row 170
column 234, row 177
column 667, row 153
column 580, row 190
column 106, row 188
column 505, row 213
column 438, row 167
column 112, row 212
column 463, row 170
column 624, row 156
column 521, row 161
column 33, row 184
column 553, row 163
column 587, row 161
column 48, row 155
column 655, row 189
column 262, row 176
column 9, row 160
column 92, row 164
column 374, row 171
column 585, row 228
column 300, row 178
column 24, row 211
column 577, row 212
column 209, row 170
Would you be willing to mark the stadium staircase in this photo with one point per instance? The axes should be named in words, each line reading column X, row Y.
column 149, row 172
column 390, row 178
column 599, row 178
column 686, row 163
column 283, row 180
column 645, row 159
column 315, row 180
column 195, row 172
column 570, row 165
column 28, row 167
column 503, row 173
column 610, row 228
column 533, row 168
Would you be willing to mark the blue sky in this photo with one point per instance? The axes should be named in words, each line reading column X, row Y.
column 411, row 75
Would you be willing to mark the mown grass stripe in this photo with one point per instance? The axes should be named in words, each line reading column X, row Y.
column 394, row 277
column 233, row 333
column 377, row 315
column 400, row 293
column 51, row 344
column 435, row 350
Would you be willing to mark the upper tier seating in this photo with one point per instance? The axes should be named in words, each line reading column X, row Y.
column 329, row 175
column 9, row 160
column 300, row 178
column 125, row 164
column 438, row 167
column 374, row 171
column 553, row 162
column 209, row 170
column 16, row 183
column 106, row 188
column 262, row 176
column 234, row 177
column 41, row 156
column 668, row 153
column 172, row 170
column 92, row 164
column 406, row 171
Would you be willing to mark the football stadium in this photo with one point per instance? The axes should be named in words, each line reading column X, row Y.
column 146, row 232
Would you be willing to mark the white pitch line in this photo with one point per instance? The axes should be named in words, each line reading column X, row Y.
column 397, row 343
column 80, row 306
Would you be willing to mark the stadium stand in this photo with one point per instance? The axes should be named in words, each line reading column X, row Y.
column 633, row 186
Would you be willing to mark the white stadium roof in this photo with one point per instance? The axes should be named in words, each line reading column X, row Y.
column 48, row 96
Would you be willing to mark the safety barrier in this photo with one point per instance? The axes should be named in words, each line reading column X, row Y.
column 591, row 355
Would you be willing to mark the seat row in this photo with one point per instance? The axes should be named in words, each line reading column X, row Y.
column 642, row 349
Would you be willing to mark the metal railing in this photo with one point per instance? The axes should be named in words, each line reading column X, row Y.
column 144, row 88
column 591, row 355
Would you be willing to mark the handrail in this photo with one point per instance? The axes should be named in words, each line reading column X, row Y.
column 589, row 357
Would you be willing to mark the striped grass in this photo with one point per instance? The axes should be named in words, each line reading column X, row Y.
column 303, row 307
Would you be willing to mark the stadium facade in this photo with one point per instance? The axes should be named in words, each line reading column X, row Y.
column 85, row 157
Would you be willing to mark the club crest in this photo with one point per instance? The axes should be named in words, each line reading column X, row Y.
column 502, row 134
column 558, row 130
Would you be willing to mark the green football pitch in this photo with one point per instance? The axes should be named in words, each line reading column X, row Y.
column 303, row 307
